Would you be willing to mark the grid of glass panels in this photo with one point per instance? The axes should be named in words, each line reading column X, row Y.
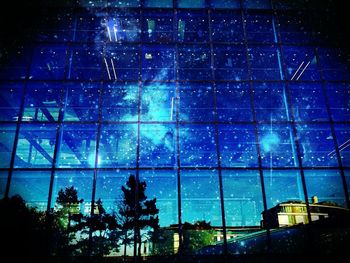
column 224, row 108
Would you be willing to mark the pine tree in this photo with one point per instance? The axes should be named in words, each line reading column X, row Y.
column 140, row 212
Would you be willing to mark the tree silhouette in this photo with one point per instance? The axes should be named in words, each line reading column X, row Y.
column 139, row 213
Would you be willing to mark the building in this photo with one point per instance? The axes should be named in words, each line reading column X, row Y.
column 225, row 108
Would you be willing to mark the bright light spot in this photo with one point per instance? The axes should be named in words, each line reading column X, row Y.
column 91, row 160
column 269, row 142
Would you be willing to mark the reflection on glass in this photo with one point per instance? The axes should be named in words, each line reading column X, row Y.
column 342, row 132
column 10, row 101
column 7, row 136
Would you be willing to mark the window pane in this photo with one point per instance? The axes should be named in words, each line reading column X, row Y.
column 82, row 102
column 196, row 102
column 197, row 145
column 7, row 136
column 237, row 146
column 36, row 145
column 317, row 145
column 257, row 4
column 158, row 62
column 342, row 133
column 3, row 182
column 62, row 29
column 194, row 62
column 109, row 188
column 233, row 102
column 282, row 186
column 277, row 146
column 123, row 27
column 200, row 197
column 226, row 4
column 230, row 63
column 301, row 63
column 124, row 3
column 259, row 27
column 48, row 62
column 159, row 3
column 326, row 185
column 264, row 63
column 227, row 26
column 158, row 26
column 117, row 146
column 121, row 62
column 334, row 63
column 270, row 102
column 158, row 102
column 157, row 145
column 10, row 101
column 339, row 101
column 78, row 145
column 80, row 180
column 14, row 62
column 163, row 186
column 120, row 102
column 308, row 102
column 32, row 186
column 89, row 27
column 242, row 208
column 43, row 102
column 192, row 26
column 190, row 4
column 85, row 62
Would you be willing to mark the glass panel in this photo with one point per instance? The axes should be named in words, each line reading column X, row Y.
column 117, row 146
column 190, row 4
column 270, row 102
column 157, row 145
column 158, row 62
column 282, row 186
column 124, row 3
column 230, row 63
column 237, row 146
column 317, row 145
column 10, row 101
column 123, row 27
column 334, row 63
column 347, row 178
column 277, row 146
column 109, row 188
column 194, row 62
column 120, row 102
column 339, row 101
column 81, row 181
column 14, row 62
column 56, row 27
column 78, row 145
column 159, row 3
column 264, row 63
column 326, row 185
column 121, row 62
column 200, row 205
column 48, row 62
column 3, row 182
column 342, row 132
column 43, row 102
column 88, row 27
column 192, row 26
column 158, row 26
column 233, row 102
column 227, row 26
column 36, row 145
column 163, row 186
column 308, row 102
column 197, row 145
column 196, row 102
column 259, row 27
column 301, row 63
column 226, row 4
column 295, row 27
column 32, row 186
column 7, row 137
column 158, row 102
column 85, row 62
column 242, row 208
column 82, row 102
column 257, row 4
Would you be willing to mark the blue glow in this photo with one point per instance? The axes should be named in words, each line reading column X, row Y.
column 269, row 142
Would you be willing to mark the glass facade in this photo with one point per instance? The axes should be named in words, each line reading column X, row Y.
column 224, row 108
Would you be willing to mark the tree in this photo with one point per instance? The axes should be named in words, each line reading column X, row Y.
column 138, row 212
